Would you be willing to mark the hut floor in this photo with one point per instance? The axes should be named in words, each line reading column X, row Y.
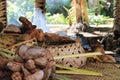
column 109, row 71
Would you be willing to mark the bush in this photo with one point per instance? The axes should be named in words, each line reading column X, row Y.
column 17, row 8
column 56, row 19
column 56, row 6
column 96, row 20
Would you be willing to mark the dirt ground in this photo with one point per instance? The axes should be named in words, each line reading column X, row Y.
column 101, row 30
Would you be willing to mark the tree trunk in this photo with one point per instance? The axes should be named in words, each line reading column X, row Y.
column 40, row 4
column 3, row 13
column 84, row 11
column 80, row 11
column 117, row 15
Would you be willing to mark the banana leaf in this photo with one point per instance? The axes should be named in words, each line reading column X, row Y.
column 7, row 51
column 71, row 70
column 7, row 55
column 60, row 77
column 78, row 55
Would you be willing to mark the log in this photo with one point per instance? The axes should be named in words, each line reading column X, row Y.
column 38, row 34
column 54, row 39
column 27, row 26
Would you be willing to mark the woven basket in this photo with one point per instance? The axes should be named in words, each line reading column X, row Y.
column 68, row 49
column 3, row 13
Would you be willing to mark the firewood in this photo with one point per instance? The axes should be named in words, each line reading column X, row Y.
column 52, row 38
column 25, row 22
column 38, row 34
column 107, row 58
column 27, row 26
column 11, row 28
column 24, row 37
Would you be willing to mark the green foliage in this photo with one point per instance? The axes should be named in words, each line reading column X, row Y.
column 71, row 16
column 61, row 19
column 56, row 6
column 56, row 19
column 96, row 20
column 56, row 13
column 19, row 8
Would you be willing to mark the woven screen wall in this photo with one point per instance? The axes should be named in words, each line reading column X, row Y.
column 3, row 12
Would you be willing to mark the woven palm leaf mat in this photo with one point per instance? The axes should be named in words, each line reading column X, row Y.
column 109, row 71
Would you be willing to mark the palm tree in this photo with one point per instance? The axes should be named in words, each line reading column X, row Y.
column 117, row 15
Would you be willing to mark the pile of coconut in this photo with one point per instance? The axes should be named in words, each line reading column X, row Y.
column 29, row 63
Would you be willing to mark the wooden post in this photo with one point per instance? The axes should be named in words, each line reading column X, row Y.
column 84, row 11
column 3, row 12
column 77, row 10
column 117, row 15
column 40, row 4
column 80, row 11
column 39, row 18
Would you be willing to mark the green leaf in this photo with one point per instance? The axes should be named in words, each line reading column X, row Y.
column 71, row 70
column 78, row 55
column 60, row 77
column 7, row 55
column 7, row 51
